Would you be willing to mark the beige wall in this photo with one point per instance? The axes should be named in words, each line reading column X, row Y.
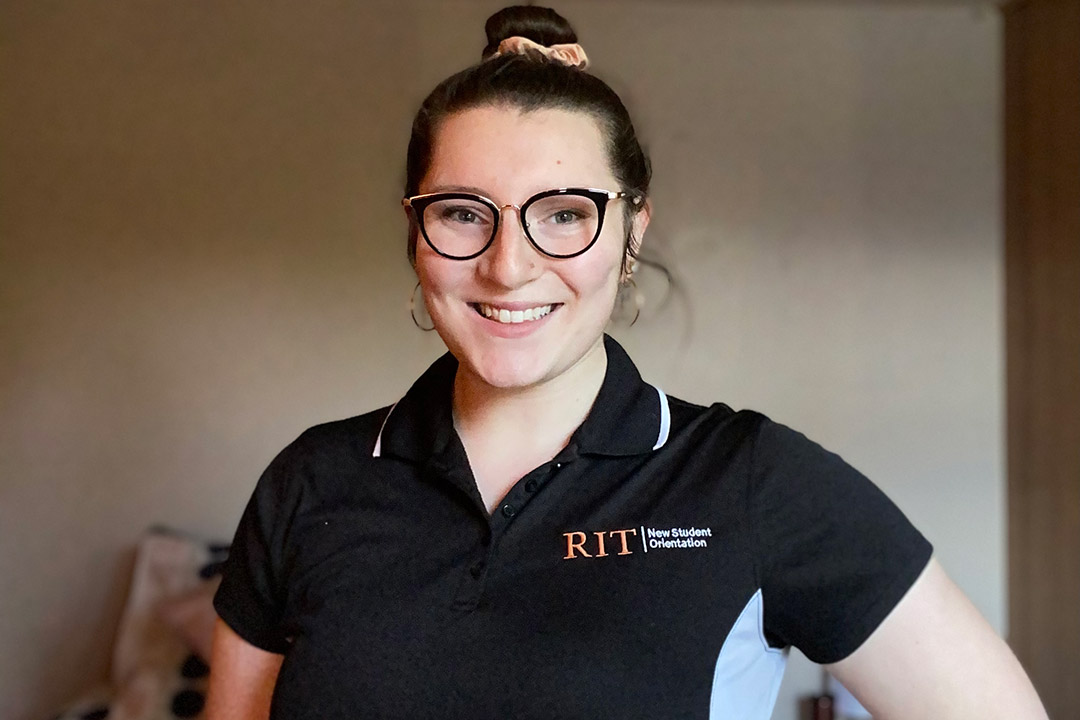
column 202, row 255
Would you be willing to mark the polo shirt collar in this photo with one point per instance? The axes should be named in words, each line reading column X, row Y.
column 628, row 417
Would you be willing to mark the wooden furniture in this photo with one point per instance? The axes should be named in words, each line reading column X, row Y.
column 1042, row 247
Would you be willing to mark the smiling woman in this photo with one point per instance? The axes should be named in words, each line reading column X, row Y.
column 533, row 531
column 555, row 258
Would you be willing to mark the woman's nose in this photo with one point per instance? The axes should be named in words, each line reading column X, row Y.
column 511, row 261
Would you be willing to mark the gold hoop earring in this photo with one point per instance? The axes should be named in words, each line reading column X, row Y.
column 412, row 311
column 636, row 297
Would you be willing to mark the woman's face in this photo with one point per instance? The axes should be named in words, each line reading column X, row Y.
column 508, row 156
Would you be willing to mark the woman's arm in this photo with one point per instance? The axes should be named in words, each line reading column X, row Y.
column 242, row 677
column 935, row 656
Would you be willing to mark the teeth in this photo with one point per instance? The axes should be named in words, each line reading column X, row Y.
column 503, row 315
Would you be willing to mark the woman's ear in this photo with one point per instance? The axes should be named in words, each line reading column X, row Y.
column 414, row 236
column 638, row 224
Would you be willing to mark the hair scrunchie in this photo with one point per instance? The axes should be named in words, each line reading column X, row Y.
column 570, row 54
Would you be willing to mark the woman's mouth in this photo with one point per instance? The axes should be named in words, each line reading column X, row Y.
column 513, row 317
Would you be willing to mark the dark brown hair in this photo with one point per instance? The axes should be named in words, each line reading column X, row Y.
column 530, row 81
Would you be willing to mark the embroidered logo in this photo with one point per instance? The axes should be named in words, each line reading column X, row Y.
column 576, row 541
column 602, row 543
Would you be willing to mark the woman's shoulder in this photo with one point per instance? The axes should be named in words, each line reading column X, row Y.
column 717, row 418
column 764, row 442
column 350, row 438
column 322, row 458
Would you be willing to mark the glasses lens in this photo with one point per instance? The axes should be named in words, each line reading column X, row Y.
column 562, row 224
column 458, row 227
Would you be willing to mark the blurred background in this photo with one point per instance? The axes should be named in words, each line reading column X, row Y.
column 202, row 253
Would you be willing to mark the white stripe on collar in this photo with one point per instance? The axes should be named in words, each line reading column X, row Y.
column 377, row 452
column 665, row 420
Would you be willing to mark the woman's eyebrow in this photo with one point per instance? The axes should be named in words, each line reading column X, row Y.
column 458, row 188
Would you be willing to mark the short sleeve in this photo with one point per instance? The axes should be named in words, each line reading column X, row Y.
column 251, row 598
column 834, row 554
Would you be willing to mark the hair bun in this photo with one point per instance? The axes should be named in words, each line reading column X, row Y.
column 540, row 24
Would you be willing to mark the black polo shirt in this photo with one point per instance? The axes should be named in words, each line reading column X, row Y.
column 656, row 568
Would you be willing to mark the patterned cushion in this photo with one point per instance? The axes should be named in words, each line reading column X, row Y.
column 157, row 673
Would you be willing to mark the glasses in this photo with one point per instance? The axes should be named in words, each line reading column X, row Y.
column 560, row 223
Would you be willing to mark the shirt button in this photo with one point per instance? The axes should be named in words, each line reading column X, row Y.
column 476, row 569
column 531, row 486
column 508, row 511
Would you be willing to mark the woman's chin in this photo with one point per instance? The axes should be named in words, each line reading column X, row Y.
column 509, row 366
column 506, row 370
column 509, row 376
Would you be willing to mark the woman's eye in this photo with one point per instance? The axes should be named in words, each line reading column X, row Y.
column 563, row 217
column 461, row 215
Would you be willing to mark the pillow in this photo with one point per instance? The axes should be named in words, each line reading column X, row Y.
column 157, row 671
column 168, row 565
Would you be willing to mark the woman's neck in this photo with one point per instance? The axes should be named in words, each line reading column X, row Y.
column 509, row 431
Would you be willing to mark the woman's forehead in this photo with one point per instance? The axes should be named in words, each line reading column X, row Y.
column 493, row 146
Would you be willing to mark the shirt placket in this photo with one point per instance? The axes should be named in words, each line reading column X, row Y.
column 496, row 526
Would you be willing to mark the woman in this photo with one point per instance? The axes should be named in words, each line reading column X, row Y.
column 532, row 530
